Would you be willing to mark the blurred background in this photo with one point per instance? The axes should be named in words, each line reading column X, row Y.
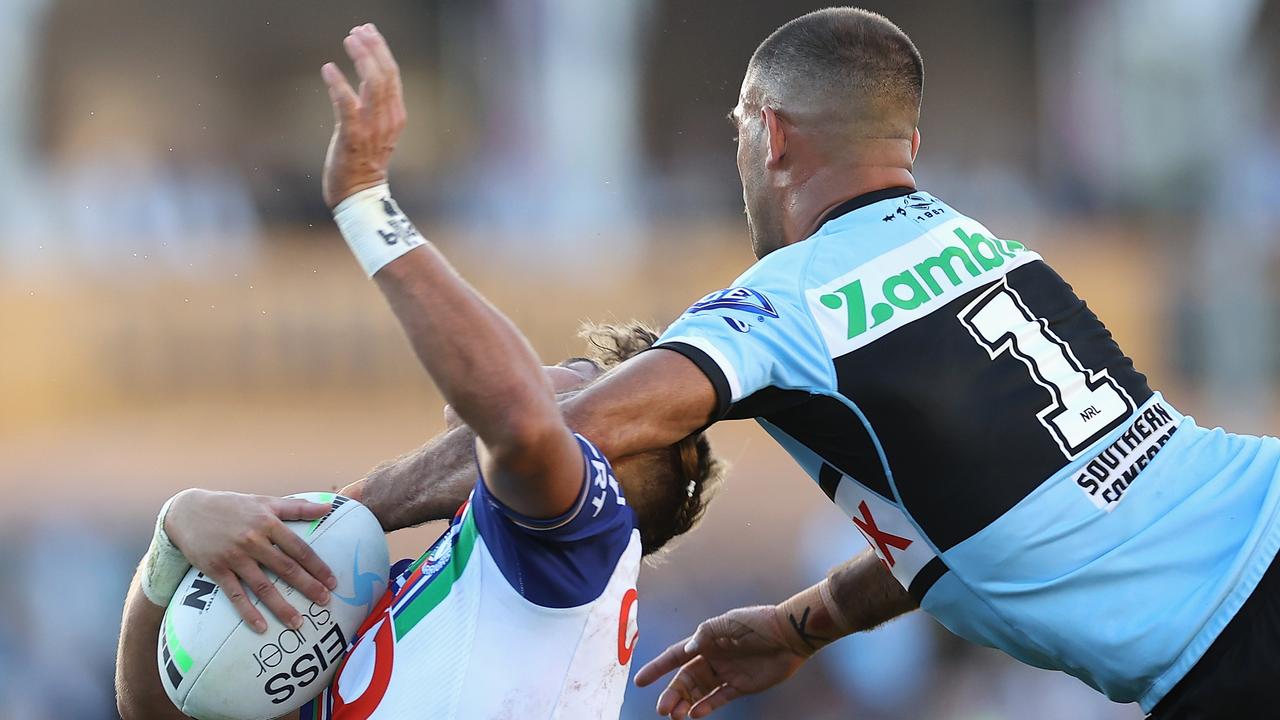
column 177, row 310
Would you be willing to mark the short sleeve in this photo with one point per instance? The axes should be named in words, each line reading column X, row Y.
column 564, row 561
column 751, row 337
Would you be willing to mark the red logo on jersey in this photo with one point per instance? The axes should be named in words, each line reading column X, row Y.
column 881, row 539
column 627, row 646
column 376, row 647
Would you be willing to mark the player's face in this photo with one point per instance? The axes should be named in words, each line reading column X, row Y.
column 762, row 206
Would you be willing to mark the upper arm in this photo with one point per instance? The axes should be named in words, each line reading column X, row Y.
column 648, row 402
column 562, row 561
column 726, row 347
column 751, row 337
column 541, row 477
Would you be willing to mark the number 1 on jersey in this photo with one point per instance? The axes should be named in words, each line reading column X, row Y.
column 1085, row 405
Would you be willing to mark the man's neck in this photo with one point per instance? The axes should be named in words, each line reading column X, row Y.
column 815, row 199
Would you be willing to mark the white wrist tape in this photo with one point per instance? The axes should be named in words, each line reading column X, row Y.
column 375, row 229
column 165, row 565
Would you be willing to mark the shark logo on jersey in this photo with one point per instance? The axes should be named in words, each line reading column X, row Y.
column 906, row 283
column 738, row 298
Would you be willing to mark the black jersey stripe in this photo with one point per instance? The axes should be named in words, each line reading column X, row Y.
column 959, row 428
column 829, row 481
column 825, row 425
column 925, row 579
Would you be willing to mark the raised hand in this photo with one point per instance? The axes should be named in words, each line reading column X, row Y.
column 367, row 124
column 231, row 537
column 741, row 652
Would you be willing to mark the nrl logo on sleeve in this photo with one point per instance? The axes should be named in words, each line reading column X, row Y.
column 738, row 298
column 911, row 281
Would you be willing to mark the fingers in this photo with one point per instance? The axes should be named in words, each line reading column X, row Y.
column 716, row 699
column 373, row 81
column 710, row 635
column 293, row 574
column 266, row 591
column 299, row 509
column 380, row 88
column 382, row 51
column 234, row 592
column 300, row 552
column 696, row 680
column 670, row 659
column 343, row 97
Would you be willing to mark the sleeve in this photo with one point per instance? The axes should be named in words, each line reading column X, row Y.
column 752, row 337
column 568, row 560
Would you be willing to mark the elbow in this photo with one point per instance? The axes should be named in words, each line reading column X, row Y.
column 523, row 443
column 127, row 708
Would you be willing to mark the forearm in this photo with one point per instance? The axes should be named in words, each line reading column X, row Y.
column 866, row 592
column 424, row 485
column 483, row 366
column 858, row 595
column 649, row 402
column 139, row 692
column 622, row 415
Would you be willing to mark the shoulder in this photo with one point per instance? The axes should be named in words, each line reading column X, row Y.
column 564, row 561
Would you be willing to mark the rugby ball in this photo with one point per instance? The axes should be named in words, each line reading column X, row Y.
column 215, row 667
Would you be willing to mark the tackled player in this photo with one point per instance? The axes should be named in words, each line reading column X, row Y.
column 541, row 561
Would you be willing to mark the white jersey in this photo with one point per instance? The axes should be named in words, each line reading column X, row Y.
column 504, row 617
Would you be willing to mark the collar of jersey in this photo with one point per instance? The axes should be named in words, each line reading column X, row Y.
column 864, row 200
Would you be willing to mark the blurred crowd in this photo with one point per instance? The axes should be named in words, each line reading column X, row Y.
column 177, row 311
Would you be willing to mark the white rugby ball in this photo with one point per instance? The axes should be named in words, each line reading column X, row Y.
column 215, row 667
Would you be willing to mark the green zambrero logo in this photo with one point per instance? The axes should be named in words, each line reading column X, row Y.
column 918, row 283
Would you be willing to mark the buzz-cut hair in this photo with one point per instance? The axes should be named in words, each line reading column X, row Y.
column 850, row 63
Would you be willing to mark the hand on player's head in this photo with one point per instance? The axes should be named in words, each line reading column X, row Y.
column 368, row 123
column 232, row 537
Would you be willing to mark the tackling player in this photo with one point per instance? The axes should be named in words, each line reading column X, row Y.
column 539, row 564
column 1015, row 475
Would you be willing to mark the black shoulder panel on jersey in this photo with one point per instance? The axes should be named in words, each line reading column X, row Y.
column 826, row 426
column 766, row 402
column 962, row 430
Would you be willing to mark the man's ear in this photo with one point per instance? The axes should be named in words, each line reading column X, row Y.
column 915, row 144
column 775, row 136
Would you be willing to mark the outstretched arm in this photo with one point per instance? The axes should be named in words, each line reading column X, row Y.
column 749, row 650
column 483, row 366
column 424, row 485
column 650, row 401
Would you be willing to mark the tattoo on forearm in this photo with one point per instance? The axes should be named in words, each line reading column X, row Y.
column 800, row 627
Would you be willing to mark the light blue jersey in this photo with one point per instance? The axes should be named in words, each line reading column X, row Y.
column 978, row 423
